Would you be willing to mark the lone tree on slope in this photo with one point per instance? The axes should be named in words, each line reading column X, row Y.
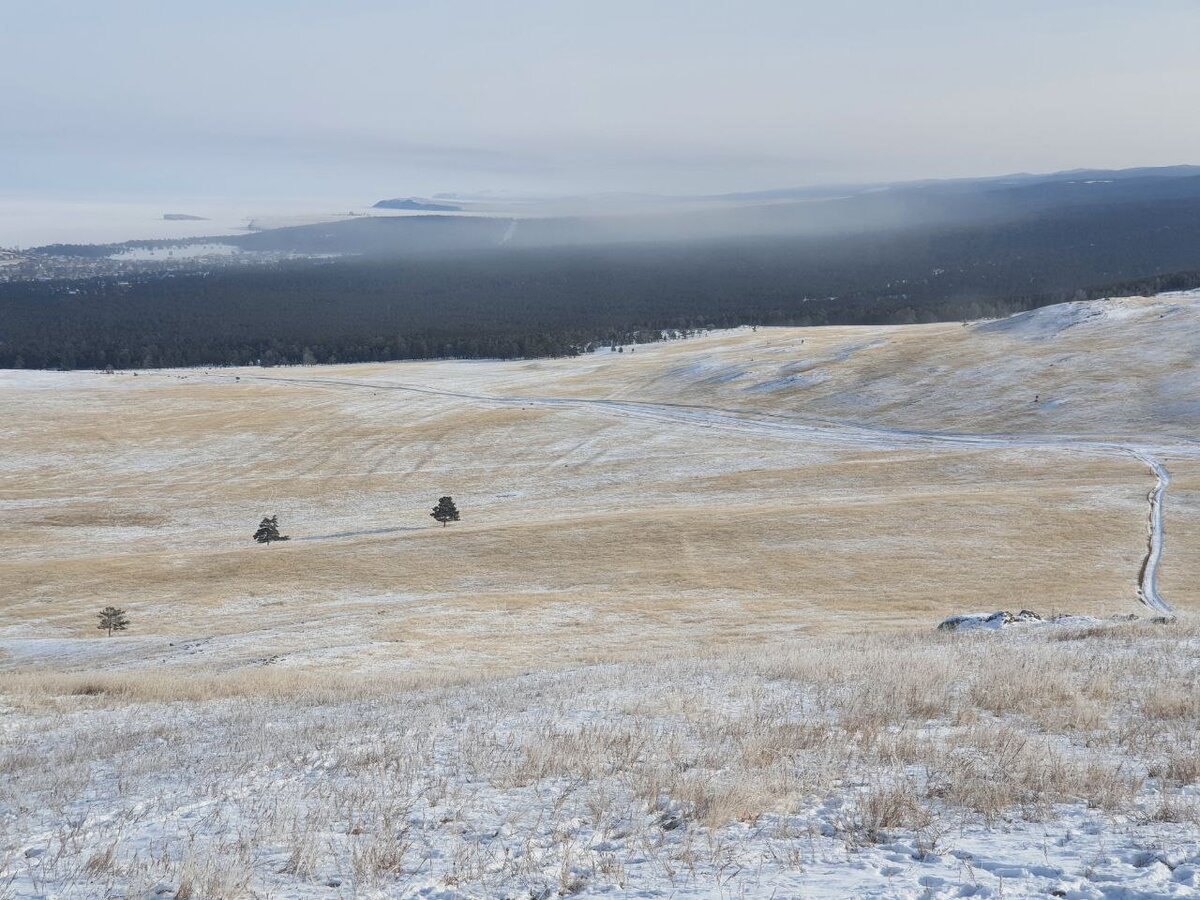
column 268, row 530
column 445, row 511
column 112, row 619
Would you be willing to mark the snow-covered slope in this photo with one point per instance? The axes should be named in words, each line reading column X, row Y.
column 1119, row 367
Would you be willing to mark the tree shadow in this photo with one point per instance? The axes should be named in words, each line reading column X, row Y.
column 370, row 532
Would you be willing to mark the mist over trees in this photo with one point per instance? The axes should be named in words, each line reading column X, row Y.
column 506, row 303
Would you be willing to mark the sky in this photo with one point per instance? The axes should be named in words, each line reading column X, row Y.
column 362, row 99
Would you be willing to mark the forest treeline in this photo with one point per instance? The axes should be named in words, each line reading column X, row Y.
column 557, row 301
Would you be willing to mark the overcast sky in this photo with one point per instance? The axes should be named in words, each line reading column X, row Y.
column 359, row 100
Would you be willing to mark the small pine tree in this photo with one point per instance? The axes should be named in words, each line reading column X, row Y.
column 445, row 511
column 112, row 619
column 268, row 530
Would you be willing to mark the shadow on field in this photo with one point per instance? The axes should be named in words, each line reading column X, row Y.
column 366, row 533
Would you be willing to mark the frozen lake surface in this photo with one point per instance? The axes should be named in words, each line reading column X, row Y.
column 26, row 223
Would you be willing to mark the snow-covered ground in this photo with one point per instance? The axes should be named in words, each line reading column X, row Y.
column 1029, row 763
column 682, row 643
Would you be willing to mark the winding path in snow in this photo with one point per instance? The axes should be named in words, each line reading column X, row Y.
column 816, row 430
column 1148, row 576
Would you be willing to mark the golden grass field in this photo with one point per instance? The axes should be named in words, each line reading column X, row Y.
column 614, row 506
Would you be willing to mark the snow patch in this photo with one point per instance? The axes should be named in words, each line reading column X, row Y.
column 1000, row 619
column 1046, row 322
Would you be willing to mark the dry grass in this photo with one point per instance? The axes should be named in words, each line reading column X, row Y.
column 911, row 733
column 586, row 535
column 939, row 377
column 654, row 644
column 186, row 687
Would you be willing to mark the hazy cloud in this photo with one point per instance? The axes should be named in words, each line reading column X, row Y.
column 306, row 98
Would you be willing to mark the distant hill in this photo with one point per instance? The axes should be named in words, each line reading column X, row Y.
column 387, row 287
column 812, row 213
column 416, row 205
column 838, row 212
column 1108, row 197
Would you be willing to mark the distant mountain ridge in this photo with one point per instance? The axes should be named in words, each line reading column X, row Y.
column 1012, row 180
column 416, row 204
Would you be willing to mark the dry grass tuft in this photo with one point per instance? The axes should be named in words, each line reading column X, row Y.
column 269, row 684
column 882, row 809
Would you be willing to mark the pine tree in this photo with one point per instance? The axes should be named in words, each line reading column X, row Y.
column 112, row 619
column 268, row 530
column 445, row 511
